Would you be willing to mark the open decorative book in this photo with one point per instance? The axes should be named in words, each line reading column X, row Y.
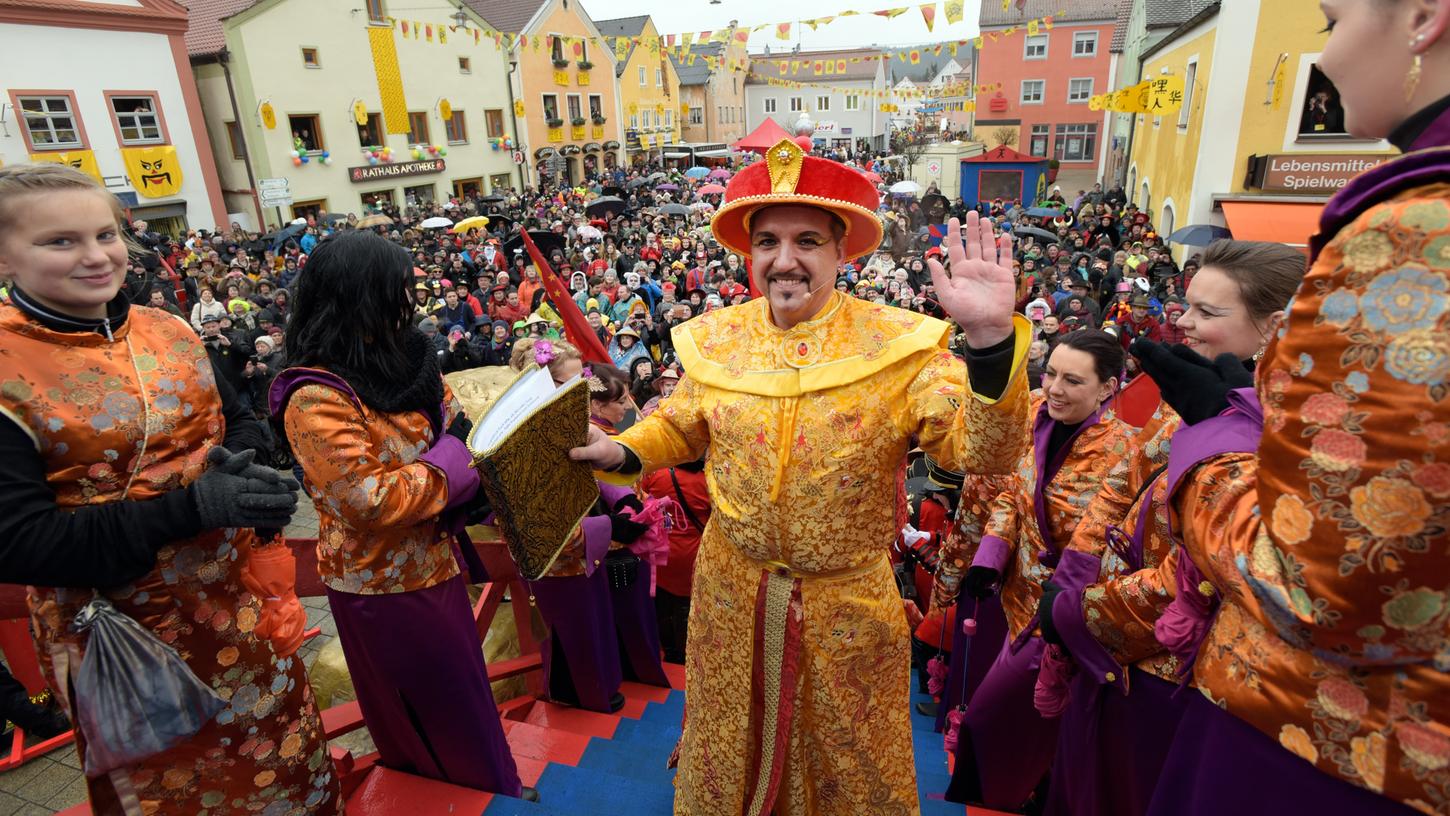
column 520, row 447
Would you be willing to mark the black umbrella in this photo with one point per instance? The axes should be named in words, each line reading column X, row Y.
column 280, row 237
column 637, row 183
column 605, row 206
column 547, row 242
column 492, row 198
column 656, row 175
column 612, row 191
column 333, row 218
column 500, row 223
column 675, row 209
column 1049, row 237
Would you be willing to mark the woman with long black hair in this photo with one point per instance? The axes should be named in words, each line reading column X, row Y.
column 379, row 438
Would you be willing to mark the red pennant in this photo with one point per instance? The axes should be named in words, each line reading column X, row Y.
column 576, row 328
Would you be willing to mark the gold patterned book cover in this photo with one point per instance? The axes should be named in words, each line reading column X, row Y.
column 521, row 448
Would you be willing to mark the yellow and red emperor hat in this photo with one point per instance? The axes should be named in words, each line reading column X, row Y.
column 791, row 176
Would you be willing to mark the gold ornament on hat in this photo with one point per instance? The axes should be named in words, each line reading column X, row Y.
column 784, row 161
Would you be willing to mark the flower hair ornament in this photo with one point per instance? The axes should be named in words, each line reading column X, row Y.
column 543, row 352
column 596, row 385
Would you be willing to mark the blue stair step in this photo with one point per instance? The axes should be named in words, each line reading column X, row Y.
column 667, row 713
column 629, row 760
column 509, row 806
column 647, row 734
column 588, row 790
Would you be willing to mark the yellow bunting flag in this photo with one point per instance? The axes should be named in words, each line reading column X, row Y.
column 518, row 107
column 442, row 34
column 1031, row 28
column 953, row 9
column 82, row 160
column 915, row 56
column 445, row 110
column 782, row 31
column 621, row 49
column 928, row 14
column 360, row 112
column 784, row 66
column 891, row 13
column 155, row 172
column 830, row 67
column 840, row 66
column 1279, row 81
column 390, row 80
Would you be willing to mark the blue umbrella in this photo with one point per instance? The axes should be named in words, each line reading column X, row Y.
column 1198, row 235
column 1044, row 212
column 697, row 172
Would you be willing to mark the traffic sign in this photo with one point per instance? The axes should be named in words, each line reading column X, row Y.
column 274, row 192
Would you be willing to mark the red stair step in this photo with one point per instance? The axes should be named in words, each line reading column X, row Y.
column 527, row 740
column 578, row 721
column 387, row 791
column 639, row 691
column 530, row 769
column 676, row 673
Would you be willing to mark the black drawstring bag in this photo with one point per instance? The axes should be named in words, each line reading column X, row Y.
column 133, row 696
column 622, row 567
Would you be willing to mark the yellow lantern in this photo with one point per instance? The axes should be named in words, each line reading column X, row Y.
column 269, row 116
column 518, row 107
column 445, row 110
column 360, row 112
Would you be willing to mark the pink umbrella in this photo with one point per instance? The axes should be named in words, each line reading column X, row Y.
column 719, row 173
column 711, row 189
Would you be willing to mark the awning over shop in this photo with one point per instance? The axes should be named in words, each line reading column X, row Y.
column 677, row 155
column 1284, row 222
column 713, row 154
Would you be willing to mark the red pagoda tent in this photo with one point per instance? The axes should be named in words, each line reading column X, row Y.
column 762, row 138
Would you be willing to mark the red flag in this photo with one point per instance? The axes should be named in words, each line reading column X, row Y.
column 1138, row 400
column 576, row 328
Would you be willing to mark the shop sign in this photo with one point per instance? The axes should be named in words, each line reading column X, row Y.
column 373, row 172
column 1308, row 172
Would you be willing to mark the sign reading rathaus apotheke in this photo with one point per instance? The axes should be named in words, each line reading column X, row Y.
column 372, row 172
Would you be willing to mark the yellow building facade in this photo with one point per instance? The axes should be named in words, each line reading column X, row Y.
column 649, row 87
column 1259, row 144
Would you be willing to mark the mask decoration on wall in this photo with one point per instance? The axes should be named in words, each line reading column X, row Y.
column 82, row 160
column 155, row 171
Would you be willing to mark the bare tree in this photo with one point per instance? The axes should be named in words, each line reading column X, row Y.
column 909, row 145
column 1005, row 136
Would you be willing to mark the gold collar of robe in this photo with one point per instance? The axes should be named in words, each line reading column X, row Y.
column 739, row 348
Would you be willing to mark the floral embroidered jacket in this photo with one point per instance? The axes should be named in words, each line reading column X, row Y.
column 378, row 505
column 806, row 430
column 1032, row 518
column 128, row 418
column 1331, row 546
column 1109, row 625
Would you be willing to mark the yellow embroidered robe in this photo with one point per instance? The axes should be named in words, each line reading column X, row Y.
column 798, row 672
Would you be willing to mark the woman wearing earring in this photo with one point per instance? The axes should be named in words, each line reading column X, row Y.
column 1005, row 747
column 1123, row 711
column 1311, row 581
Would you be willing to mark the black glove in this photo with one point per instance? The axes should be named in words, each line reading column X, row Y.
column 623, row 530
column 1191, row 385
column 981, row 582
column 262, row 473
column 224, row 497
column 460, row 429
column 631, row 501
column 1050, row 591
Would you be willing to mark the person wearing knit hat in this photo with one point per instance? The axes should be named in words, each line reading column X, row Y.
column 843, row 386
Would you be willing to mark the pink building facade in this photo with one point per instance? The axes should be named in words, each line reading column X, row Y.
column 1046, row 81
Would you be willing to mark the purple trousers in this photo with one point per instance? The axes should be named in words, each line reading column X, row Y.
column 1006, row 747
column 1111, row 746
column 417, row 667
column 1221, row 765
column 639, row 631
column 581, row 655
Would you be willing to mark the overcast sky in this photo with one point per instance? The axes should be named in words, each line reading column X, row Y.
column 677, row 16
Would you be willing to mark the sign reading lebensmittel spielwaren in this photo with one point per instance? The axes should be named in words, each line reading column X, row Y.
column 373, row 172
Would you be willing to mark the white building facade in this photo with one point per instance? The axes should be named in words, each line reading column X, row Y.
column 845, row 105
column 107, row 88
column 308, row 92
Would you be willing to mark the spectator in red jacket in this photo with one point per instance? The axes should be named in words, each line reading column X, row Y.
column 686, row 485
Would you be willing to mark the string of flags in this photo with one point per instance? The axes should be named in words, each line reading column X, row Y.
column 1153, row 96
column 947, row 90
column 682, row 45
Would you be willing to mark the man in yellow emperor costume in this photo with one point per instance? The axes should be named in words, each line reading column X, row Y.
column 798, row 674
